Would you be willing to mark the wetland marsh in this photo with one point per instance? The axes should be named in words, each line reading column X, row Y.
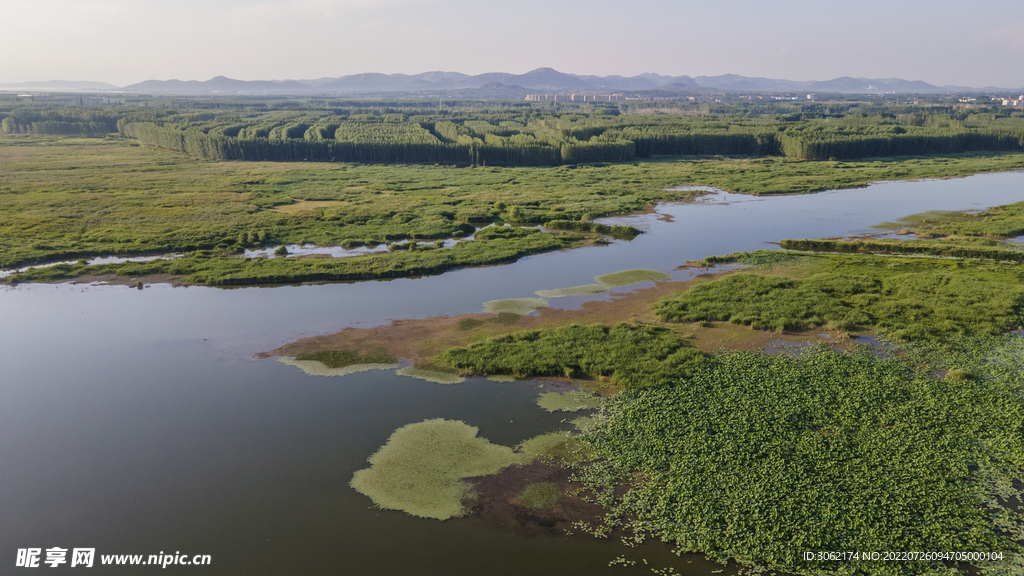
column 145, row 408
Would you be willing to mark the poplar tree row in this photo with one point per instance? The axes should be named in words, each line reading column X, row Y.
column 536, row 137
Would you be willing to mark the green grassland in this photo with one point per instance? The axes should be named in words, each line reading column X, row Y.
column 912, row 298
column 210, row 268
column 629, row 356
column 917, row 299
column 952, row 247
column 70, row 198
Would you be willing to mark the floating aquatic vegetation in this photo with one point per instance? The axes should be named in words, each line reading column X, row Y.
column 431, row 375
column 543, row 445
column 562, row 446
column 420, row 470
column 606, row 281
column 584, row 290
column 315, row 368
column 834, row 460
column 539, row 495
column 520, row 306
column 582, row 422
column 634, row 276
column 568, row 401
column 501, row 378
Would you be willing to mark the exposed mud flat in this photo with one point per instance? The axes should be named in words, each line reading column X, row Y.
column 420, row 340
column 497, row 500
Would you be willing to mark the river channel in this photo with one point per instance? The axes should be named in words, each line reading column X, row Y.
column 137, row 422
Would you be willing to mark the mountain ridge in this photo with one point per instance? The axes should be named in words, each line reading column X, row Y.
column 538, row 80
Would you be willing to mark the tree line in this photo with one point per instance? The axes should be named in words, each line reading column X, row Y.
column 523, row 137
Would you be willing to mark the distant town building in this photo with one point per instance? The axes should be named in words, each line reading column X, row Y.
column 574, row 98
column 1019, row 101
column 966, row 100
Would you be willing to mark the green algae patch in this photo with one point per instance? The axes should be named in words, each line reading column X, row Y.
column 316, row 368
column 606, row 281
column 420, row 470
column 539, row 495
column 583, row 422
column 543, row 445
column 520, row 306
column 558, row 446
column 501, row 378
column 634, row 276
column 584, row 290
column 431, row 375
column 568, row 401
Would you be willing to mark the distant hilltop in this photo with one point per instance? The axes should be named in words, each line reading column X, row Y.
column 501, row 84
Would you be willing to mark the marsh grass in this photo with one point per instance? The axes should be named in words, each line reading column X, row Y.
column 220, row 268
column 1005, row 221
column 506, row 318
column 67, row 198
column 420, row 469
column 431, row 375
column 926, row 219
column 958, row 375
column 503, row 318
column 315, row 368
column 959, row 247
column 469, row 323
column 625, row 355
column 343, row 358
column 539, row 495
column 912, row 298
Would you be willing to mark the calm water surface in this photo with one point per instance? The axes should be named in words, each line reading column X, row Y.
column 136, row 422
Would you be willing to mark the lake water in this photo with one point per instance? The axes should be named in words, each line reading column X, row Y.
column 137, row 422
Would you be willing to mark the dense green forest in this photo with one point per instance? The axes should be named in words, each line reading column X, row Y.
column 510, row 135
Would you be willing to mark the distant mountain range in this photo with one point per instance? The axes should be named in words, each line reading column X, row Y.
column 539, row 80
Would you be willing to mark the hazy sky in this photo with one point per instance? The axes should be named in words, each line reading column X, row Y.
column 127, row 41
